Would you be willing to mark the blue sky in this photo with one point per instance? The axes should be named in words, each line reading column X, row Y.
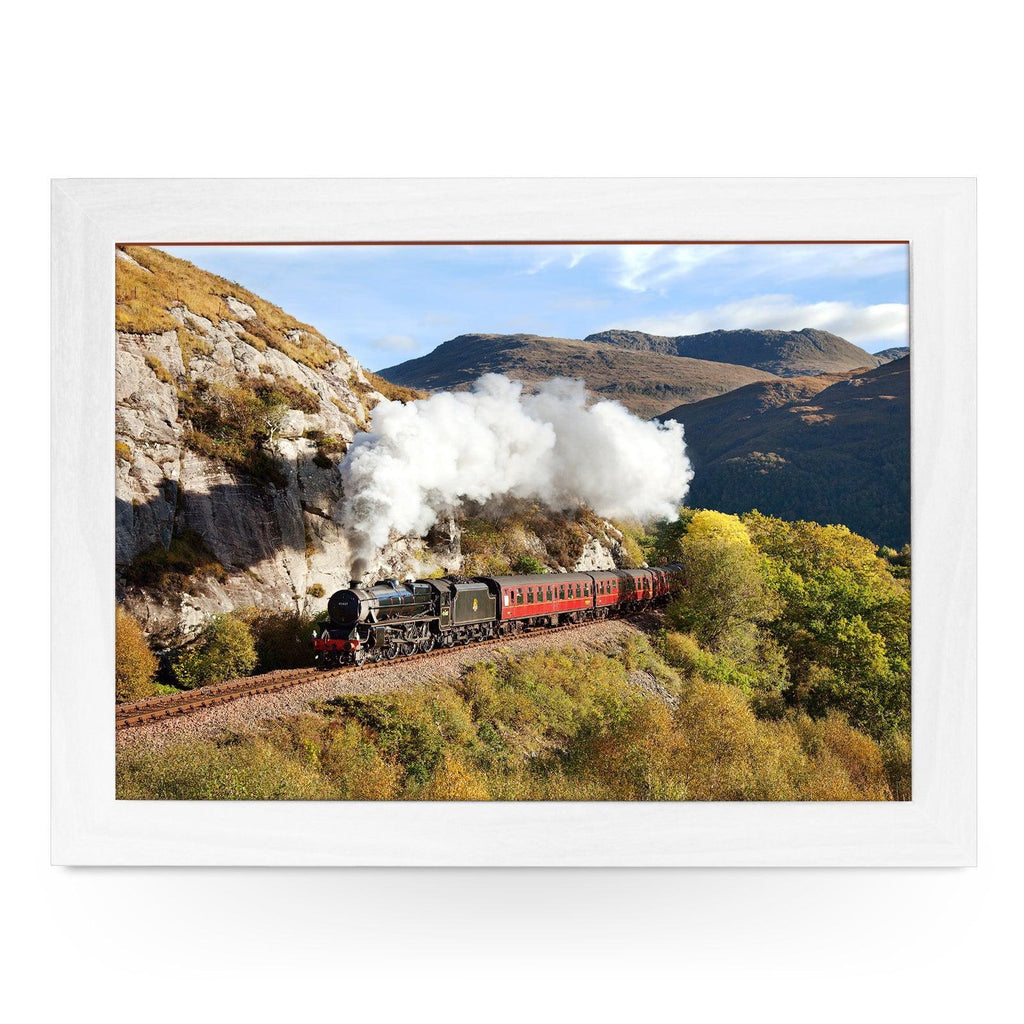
column 385, row 304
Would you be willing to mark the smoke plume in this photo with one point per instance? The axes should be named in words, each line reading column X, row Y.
column 420, row 460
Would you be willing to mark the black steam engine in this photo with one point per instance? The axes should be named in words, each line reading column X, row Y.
column 390, row 618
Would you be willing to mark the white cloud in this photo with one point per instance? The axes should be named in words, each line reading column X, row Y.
column 800, row 262
column 643, row 268
column 396, row 343
column 886, row 323
column 538, row 265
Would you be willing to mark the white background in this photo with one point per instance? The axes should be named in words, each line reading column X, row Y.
column 535, row 89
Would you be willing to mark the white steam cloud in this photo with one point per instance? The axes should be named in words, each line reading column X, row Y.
column 419, row 461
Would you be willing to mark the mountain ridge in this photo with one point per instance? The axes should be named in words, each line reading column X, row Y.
column 783, row 353
column 645, row 382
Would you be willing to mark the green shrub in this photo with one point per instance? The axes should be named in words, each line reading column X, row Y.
column 528, row 565
column 896, row 757
column 135, row 664
column 316, row 590
column 170, row 569
column 328, row 447
column 253, row 769
column 236, row 424
column 225, row 649
column 286, row 392
column 282, row 639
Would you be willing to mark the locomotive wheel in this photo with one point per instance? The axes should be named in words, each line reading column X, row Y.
column 391, row 651
column 428, row 644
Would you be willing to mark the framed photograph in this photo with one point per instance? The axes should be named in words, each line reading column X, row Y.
column 500, row 522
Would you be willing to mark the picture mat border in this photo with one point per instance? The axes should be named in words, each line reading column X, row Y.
column 938, row 827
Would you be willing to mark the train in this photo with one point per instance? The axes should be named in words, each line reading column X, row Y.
column 389, row 619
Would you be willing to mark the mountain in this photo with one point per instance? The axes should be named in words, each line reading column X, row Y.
column 888, row 355
column 646, row 382
column 783, row 353
column 831, row 448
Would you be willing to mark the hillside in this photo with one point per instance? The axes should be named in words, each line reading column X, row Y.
column 645, row 382
column 231, row 417
column 833, row 449
column 231, row 420
column 783, row 353
column 888, row 355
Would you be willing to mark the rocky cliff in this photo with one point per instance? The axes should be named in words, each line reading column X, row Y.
column 231, row 419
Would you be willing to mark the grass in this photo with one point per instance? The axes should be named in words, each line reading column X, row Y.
column 559, row 725
column 159, row 369
column 191, row 344
column 392, row 392
column 145, row 294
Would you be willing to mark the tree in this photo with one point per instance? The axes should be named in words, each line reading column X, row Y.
column 528, row 565
column 224, row 650
column 723, row 597
column 844, row 622
column 135, row 664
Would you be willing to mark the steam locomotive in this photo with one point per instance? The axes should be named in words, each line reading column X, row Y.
column 379, row 622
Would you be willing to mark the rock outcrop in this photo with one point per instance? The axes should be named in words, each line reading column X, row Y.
column 270, row 541
column 231, row 421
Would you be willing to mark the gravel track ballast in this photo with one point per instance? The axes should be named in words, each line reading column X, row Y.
column 246, row 713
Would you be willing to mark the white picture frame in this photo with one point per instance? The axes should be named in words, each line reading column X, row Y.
column 936, row 215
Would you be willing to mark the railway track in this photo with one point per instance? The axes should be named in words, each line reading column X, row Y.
column 153, row 709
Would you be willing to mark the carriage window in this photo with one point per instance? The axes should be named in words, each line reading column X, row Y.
column 579, row 590
column 506, row 598
column 551, row 595
column 529, row 595
column 561, row 592
column 519, row 595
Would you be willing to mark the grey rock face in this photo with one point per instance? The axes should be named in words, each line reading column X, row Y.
column 270, row 543
column 275, row 543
